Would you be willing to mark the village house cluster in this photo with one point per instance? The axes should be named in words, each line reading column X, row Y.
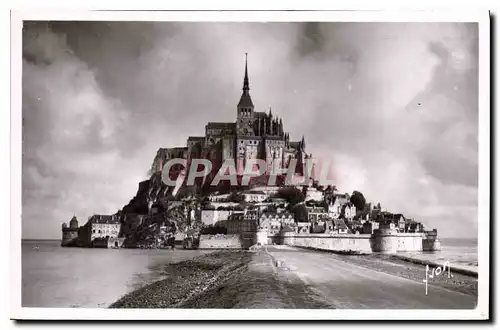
column 324, row 211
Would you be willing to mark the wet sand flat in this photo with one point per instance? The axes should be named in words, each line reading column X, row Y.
column 285, row 277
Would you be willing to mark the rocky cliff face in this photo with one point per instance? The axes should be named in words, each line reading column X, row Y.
column 150, row 192
column 153, row 217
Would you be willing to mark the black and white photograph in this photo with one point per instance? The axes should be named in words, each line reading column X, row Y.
column 249, row 165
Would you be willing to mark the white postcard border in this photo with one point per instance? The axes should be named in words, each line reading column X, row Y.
column 482, row 309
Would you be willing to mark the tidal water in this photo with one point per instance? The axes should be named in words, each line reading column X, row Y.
column 53, row 276
column 460, row 252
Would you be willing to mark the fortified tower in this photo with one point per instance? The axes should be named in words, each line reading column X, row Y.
column 69, row 234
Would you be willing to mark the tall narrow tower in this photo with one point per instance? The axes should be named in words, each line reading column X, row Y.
column 245, row 116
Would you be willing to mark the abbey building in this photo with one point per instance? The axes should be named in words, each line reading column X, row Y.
column 253, row 135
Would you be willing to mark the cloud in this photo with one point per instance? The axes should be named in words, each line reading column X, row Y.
column 392, row 106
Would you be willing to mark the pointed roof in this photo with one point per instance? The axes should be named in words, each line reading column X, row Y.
column 74, row 222
column 245, row 100
column 246, row 85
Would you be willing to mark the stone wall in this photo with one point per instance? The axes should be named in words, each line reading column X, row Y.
column 380, row 241
column 243, row 240
column 220, row 242
column 390, row 242
column 69, row 235
column 347, row 243
column 211, row 217
column 116, row 242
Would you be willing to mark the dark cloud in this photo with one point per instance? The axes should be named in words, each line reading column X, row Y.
column 393, row 106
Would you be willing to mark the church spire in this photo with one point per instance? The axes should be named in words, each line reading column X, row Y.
column 246, row 85
column 245, row 103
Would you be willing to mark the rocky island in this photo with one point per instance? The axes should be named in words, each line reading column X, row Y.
column 205, row 209
column 271, row 236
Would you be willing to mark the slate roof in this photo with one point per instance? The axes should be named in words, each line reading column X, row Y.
column 109, row 219
column 220, row 125
column 245, row 101
column 196, row 138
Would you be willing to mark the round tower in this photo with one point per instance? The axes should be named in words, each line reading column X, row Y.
column 69, row 234
column 383, row 240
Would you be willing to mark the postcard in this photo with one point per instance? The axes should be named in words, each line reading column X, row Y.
column 302, row 164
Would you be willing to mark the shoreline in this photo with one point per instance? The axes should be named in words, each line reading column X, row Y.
column 249, row 279
column 414, row 269
column 454, row 268
column 184, row 280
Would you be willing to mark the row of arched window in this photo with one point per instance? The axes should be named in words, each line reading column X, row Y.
column 246, row 112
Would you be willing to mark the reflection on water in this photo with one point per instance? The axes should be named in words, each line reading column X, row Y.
column 53, row 276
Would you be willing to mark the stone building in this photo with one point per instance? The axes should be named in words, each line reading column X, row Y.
column 398, row 219
column 336, row 203
column 270, row 225
column 414, row 227
column 253, row 135
column 348, row 211
column 69, row 234
column 274, row 222
column 241, row 222
column 303, row 227
column 370, row 226
column 285, row 218
column 314, row 194
column 211, row 217
column 102, row 231
column 316, row 214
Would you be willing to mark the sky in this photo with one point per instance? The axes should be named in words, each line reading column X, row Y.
column 392, row 107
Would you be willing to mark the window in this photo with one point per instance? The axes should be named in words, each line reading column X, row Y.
column 93, row 231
